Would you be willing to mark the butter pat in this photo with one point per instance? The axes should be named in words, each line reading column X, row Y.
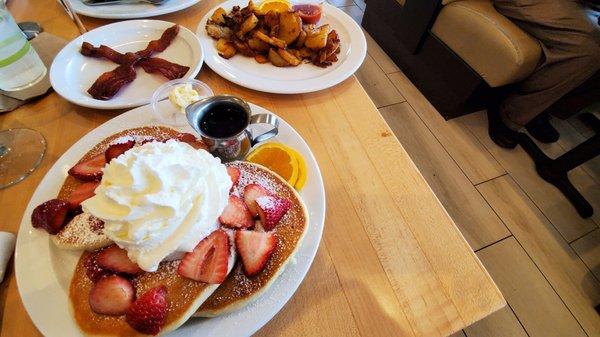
column 183, row 95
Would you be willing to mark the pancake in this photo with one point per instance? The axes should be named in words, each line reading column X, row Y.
column 238, row 289
column 83, row 231
column 184, row 296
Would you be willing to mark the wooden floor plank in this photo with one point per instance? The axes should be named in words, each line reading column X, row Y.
column 532, row 298
column 458, row 334
column 470, row 155
column 567, row 274
column 502, row 323
column 471, row 213
column 545, row 196
column 381, row 91
column 332, row 309
column 588, row 249
column 381, row 58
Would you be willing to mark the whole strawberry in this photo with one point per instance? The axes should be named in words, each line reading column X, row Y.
column 147, row 314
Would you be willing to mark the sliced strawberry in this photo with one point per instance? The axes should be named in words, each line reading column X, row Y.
column 236, row 214
column 251, row 192
column 192, row 140
column 89, row 170
column 234, row 174
column 116, row 259
column 271, row 209
column 208, row 261
column 111, row 295
column 93, row 270
column 51, row 215
column 116, row 150
column 258, row 226
column 82, row 193
column 255, row 248
column 147, row 314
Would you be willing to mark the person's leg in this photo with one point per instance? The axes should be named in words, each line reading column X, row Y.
column 571, row 54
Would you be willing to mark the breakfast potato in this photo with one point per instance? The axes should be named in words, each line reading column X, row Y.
column 260, row 58
column 277, row 60
column 219, row 32
column 247, row 26
column 243, row 48
column 258, row 45
column 225, row 48
column 270, row 40
column 218, row 16
column 300, row 40
column 317, row 39
column 288, row 57
column 290, row 26
column 277, row 37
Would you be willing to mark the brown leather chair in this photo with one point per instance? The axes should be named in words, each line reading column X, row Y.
column 460, row 53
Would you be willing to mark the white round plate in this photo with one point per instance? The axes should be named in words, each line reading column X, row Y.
column 131, row 11
column 72, row 74
column 246, row 72
column 44, row 271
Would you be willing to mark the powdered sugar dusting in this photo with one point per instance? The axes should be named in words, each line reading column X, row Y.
column 288, row 232
column 84, row 230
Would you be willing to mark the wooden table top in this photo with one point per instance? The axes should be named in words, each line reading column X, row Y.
column 391, row 262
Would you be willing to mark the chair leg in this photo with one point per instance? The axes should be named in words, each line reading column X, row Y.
column 554, row 172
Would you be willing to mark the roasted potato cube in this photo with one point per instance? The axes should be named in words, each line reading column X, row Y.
column 270, row 40
column 218, row 16
column 243, row 48
column 317, row 39
column 288, row 57
column 225, row 48
column 290, row 26
column 247, row 26
column 300, row 40
column 258, row 45
column 260, row 58
column 219, row 32
column 277, row 60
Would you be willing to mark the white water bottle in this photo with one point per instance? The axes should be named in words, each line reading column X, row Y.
column 20, row 65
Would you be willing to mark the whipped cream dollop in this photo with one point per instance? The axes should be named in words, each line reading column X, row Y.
column 160, row 199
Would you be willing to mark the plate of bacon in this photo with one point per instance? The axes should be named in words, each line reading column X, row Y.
column 120, row 65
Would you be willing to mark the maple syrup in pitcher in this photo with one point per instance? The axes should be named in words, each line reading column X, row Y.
column 223, row 120
column 223, row 124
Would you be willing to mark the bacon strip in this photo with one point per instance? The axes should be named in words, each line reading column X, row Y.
column 109, row 83
column 167, row 69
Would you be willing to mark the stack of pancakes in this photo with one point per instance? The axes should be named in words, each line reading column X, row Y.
column 186, row 297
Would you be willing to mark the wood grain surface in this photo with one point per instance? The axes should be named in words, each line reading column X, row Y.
column 391, row 263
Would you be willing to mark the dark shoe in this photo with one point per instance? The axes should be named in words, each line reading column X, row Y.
column 541, row 129
column 501, row 134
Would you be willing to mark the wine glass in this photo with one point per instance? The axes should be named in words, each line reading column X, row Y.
column 21, row 152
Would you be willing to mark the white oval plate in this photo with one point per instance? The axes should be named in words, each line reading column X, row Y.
column 246, row 72
column 72, row 74
column 44, row 271
column 131, row 11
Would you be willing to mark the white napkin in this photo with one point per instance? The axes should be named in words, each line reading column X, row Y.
column 7, row 247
